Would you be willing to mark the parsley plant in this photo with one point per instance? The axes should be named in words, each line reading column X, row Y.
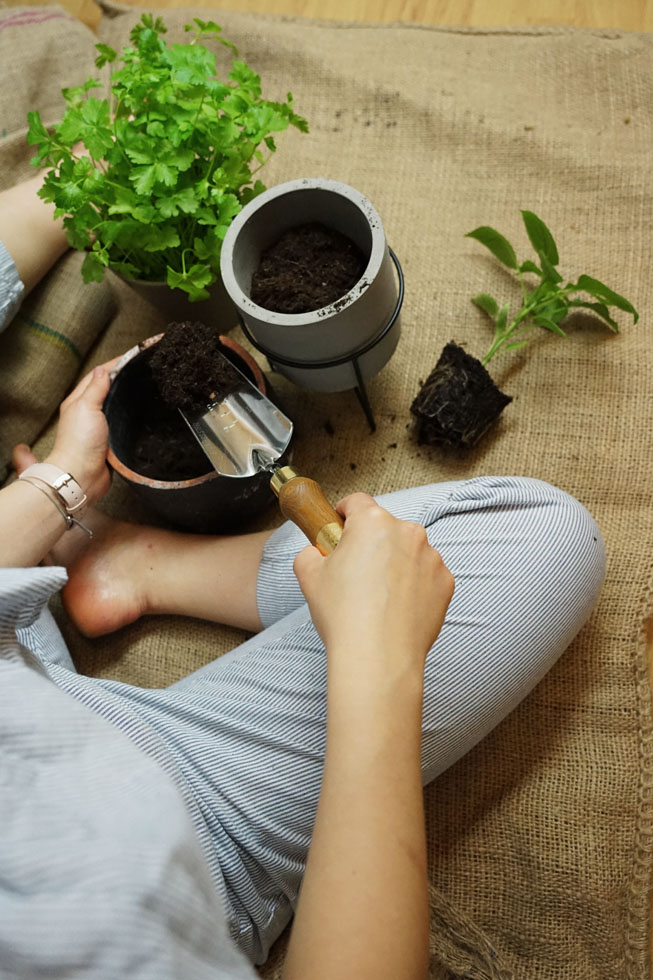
column 149, row 179
column 549, row 302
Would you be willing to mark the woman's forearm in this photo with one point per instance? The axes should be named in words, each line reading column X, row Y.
column 29, row 232
column 32, row 525
column 363, row 907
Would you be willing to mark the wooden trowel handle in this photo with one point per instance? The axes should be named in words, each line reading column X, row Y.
column 302, row 501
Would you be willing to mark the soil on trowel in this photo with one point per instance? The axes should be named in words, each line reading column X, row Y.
column 187, row 369
column 309, row 267
column 190, row 368
column 458, row 402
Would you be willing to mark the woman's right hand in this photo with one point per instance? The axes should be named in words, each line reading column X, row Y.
column 382, row 593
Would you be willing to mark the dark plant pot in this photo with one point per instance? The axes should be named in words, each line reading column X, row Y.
column 175, row 306
column 458, row 402
column 196, row 500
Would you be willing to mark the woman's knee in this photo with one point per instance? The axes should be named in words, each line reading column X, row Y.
column 528, row 563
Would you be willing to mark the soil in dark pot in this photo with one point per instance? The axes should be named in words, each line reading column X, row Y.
column 151, row 446
column 458, row 402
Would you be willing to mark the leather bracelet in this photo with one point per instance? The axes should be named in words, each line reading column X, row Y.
column 65, row 486
column 41, row 485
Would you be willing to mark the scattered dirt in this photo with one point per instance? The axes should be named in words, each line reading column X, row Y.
column 458, row 402
column 309, row 267
column 189, row 367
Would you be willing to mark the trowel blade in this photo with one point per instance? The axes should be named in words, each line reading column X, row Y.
column 243, row 434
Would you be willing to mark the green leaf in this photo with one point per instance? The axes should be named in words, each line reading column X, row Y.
column 106, row 55
column 192, row 282
column 502, row 318
column 606, row 295
column 70, row 195
column 184, row 201
column 549, row 271
column 161, row 237
column 92, row 268
column 76, row 96
column 599, row 308
column 540, row 237
column 37, row 133
column 76, row 234
column 144, row 178
column 529, row 266
column 486, row 303
column 543, row 321
column 249, row 193
column 72, row 126
column 496, row 243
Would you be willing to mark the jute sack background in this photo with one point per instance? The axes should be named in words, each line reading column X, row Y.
column 540, row 838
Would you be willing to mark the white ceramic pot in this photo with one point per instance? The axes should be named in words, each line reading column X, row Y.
column 304, row 346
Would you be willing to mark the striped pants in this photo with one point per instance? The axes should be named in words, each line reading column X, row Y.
column 244, row 737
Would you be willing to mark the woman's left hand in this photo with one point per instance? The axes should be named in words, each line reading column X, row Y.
column 80, row 446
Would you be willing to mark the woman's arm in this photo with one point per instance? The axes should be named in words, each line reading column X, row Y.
column 378, row 602
column 29, row 232
column 29, row 516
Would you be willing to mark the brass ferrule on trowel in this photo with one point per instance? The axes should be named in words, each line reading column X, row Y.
column 301, row 500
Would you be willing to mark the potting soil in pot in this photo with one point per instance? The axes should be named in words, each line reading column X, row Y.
column 187, row 371
column 189, row 367
column 309, row 267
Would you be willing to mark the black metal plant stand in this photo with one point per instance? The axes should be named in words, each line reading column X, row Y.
column 353, row 357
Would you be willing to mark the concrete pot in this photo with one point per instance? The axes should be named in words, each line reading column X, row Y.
column 304, row 346
column 206, row 502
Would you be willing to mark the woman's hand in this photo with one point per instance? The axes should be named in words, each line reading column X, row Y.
column 383, row 589
column 80, row 445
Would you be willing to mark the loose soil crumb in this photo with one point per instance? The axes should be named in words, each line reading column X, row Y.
column 190, row 369
column 309, row 267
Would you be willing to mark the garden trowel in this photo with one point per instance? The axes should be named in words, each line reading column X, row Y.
column 243, row 434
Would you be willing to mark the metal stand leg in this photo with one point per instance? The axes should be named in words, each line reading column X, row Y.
column 362, row 396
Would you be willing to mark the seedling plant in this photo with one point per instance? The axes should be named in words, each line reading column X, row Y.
column 548, row 303
column 459, row 401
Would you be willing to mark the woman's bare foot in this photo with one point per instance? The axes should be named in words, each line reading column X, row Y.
column 103, row 592
column 106, row 580
column 127, row 570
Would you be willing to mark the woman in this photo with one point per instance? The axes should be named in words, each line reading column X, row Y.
column 165, row 833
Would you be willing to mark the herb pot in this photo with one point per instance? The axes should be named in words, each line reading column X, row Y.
column 336, row 347
column 174, row 304
column 191, row 496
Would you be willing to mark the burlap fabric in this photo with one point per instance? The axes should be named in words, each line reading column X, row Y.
column 539, row 838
